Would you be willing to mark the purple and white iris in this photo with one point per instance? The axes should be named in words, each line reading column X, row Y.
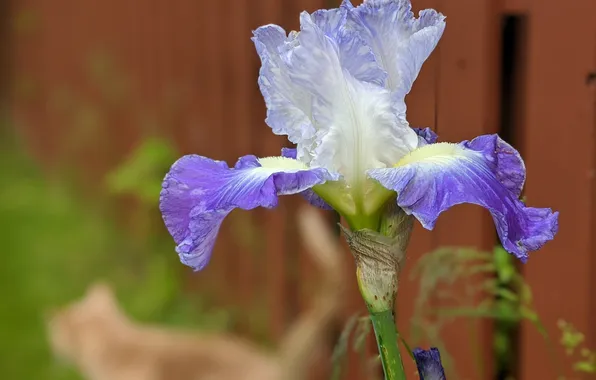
column 429, row 364
column 337, row 90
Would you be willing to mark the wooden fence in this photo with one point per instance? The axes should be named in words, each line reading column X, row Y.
column 523, row 68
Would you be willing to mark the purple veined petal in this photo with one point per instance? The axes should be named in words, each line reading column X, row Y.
column 429, row 364
column 354, row 55
column 308, row 194
column 425, row 136
column 198, row 193
column 288, row 105
column 511, row 170
column 401, row 43
column 436, row 177
column 330, row 21
column 357, row 124
column 289, row 152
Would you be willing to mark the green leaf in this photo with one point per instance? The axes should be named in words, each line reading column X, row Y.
column 585, row 367
column 506, row 294
column 341, row 347
column 406, row 345
column 504, row 265
column 142, row 173
column 362, row 330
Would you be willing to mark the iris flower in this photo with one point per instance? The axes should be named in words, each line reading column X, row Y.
column 337, row 90
column 429, row 364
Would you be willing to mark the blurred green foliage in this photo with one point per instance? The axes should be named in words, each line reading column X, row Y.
column 492, row 287
column 571, row 340
column 358, row 328
column 55, row 242
column 500, row 294
column 140, row 175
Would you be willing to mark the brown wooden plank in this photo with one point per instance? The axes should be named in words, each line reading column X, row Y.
column 516, row 6
column 111, row 91
column 177, row 117
column 26, row 62
column 28, row 73
column 591, row 333
column 467, row 107
column 231, row 23
column 6, row 39
column 559, row 154
column 213, row 111
column 272, row 222
column 52, row 72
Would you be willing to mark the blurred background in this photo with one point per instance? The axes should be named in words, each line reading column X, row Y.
column 99, row 98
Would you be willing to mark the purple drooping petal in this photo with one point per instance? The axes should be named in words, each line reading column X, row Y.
column 429, row 364
column 198, row 193
column 510, row 167
column 308, row 194
column 425, row 136
column 312, row 198
column 436, row 177
column 400, row 42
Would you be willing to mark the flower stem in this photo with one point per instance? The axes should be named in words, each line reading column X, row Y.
column 386, row 334
column 379, row 254
column 377, row 260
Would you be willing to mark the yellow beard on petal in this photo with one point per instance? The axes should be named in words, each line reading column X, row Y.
column 433, row 152
column 282, row 163
column 360, row 202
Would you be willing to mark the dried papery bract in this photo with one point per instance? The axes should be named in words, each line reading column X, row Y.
column 379, row 257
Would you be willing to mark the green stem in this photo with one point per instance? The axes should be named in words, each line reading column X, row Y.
column 386, row 334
